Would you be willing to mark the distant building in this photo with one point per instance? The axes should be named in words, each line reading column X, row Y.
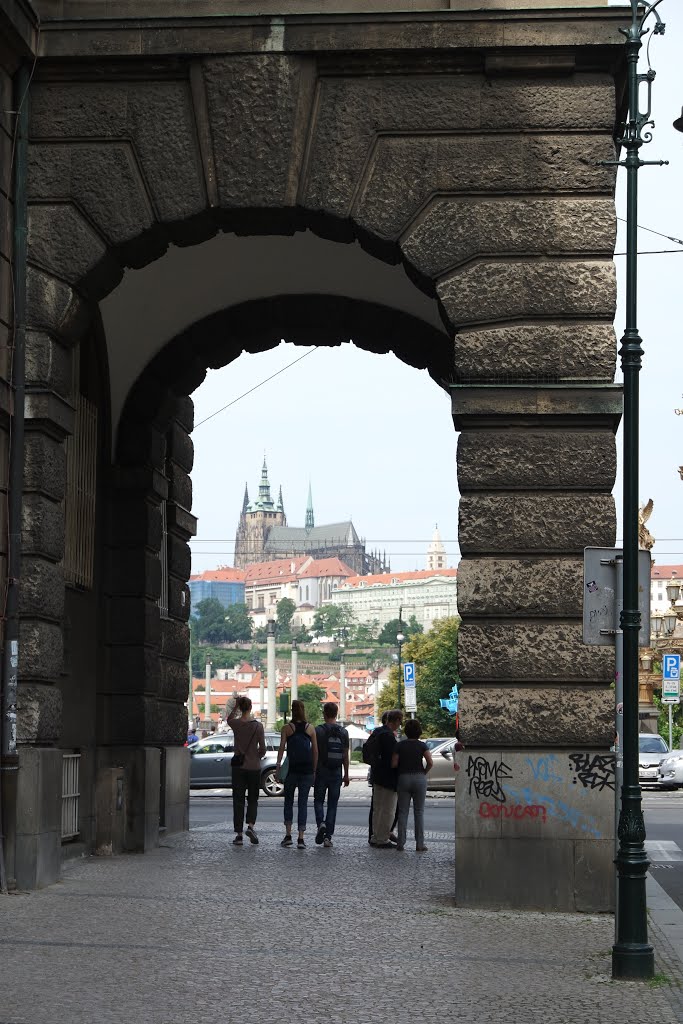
column 660, row 575
column 225, row 585
column 436, row 552
column 428, row 594
column 306, row 581
column 264, row 536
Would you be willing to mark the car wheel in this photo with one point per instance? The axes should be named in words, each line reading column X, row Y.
column 270, row 785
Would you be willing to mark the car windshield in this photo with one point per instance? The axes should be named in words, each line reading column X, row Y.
column 652, row 745
column 433, row 743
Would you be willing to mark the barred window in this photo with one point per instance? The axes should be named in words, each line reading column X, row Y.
column 80, row 498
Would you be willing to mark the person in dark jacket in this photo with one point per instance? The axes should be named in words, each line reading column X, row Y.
column 384, row 780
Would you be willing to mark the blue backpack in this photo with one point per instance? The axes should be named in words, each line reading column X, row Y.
column 300, row 750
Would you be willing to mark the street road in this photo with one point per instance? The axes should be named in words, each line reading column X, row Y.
column 352, row 812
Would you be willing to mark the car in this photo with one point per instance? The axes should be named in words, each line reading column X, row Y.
column 211, row 763
column 651, row 751
column 670, row 771
column 442, row 775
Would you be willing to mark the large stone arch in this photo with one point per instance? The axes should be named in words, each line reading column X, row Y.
column 476, row 170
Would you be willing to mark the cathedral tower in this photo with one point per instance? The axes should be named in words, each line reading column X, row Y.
column 256, row 521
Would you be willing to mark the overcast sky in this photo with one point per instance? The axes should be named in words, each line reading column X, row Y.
column 374, row 436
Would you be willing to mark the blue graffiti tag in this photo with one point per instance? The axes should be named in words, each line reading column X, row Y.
column 544, row 769
column 556, row 809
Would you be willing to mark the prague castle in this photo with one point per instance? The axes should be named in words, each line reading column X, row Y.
column 264, row 536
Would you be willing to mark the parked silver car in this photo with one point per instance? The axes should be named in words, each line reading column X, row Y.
column 211, row 757
column 652, row 749
column 670, row 770
column 442, row 775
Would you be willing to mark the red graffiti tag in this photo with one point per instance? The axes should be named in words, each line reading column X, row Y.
column 512, row 811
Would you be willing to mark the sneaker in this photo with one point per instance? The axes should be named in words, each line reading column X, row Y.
column 251, row 835
column 320, row 835
column 421, row 849
column 287, row 841
column 300, row 844
column 393, row 839
column 327, row 842
column 238, row 841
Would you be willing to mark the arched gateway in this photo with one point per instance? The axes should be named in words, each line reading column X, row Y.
column 426, row 183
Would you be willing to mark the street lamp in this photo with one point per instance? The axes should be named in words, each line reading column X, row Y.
column 632, row 954
column 342, row 683
column 399, row 640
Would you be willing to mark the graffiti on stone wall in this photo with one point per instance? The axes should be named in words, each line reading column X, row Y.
column 593, row 771
column 492, row 783
column 486, row 778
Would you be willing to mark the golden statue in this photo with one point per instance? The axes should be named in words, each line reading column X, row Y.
column 645, row 538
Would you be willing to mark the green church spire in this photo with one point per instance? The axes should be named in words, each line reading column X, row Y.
column 310, row 522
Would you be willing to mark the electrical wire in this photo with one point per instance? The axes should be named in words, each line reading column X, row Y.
column 670, row 238
column 256, row 386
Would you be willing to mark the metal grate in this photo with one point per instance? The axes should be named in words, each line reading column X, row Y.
column 70, row 795
column 163, row 558
column 80, row 500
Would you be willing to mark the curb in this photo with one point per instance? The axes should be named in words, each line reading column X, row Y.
column 665, row 919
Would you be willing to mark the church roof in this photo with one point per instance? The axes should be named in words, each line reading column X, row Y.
column 298, row 538
column 325, row 567
column 222, row 575
column 281, row 570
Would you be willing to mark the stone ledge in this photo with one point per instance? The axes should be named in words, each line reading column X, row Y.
column 499, row 404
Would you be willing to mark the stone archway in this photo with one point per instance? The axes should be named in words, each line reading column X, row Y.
column 477, row 171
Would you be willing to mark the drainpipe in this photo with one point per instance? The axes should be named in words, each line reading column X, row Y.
column 9, row 761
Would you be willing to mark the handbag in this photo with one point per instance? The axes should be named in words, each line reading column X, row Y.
column 283, row 770
column 238, row 759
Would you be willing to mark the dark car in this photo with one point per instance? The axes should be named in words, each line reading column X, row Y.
column 210, row 763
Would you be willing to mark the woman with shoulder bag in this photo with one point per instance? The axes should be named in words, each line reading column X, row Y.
column 302, row 760
column 250, row 747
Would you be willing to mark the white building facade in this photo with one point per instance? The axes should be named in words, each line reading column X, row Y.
column 428, row 594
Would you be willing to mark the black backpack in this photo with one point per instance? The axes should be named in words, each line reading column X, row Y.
column 371, row 747
column 300, row 750
column 331, row 745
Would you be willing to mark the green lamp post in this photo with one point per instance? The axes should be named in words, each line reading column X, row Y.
column 632, row 954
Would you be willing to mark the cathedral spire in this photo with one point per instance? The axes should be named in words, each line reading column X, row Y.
column 264, row 486
column 245, row 503
column 280, row 503
column 310, row 522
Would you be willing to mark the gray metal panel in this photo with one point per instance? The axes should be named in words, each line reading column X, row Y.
column 601, row 603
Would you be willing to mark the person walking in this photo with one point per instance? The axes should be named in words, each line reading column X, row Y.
column 392, row 836
column 384, row 780
column 333, row 763
column 409, row 759
column 299, row 738
column 249, row 747
column 192, row 736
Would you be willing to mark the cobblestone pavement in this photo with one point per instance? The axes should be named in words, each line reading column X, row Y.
column 265, row 935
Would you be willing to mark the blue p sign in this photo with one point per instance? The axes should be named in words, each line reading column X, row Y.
column 671, row 666
column 409, row 673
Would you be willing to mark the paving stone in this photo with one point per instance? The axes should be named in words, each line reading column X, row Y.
column 199, row 924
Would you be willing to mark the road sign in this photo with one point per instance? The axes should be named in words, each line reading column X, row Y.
column 671, row 678
column 411, row 699
column 409, row 674
column 601, row 601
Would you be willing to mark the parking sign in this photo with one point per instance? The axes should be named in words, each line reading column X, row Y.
column 409, row 673
column 671, row 678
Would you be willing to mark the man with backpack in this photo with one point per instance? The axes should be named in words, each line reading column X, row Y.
column 384, row 778
column 333, row 756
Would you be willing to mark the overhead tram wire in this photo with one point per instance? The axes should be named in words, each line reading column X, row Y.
column 255, row 387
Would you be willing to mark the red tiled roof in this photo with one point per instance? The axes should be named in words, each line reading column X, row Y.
column 665, row 572
column 270, row 572
column 224, row 574
column 385, row 578
column 325, row 567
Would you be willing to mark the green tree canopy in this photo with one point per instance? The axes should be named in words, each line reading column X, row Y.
column 334, row 620
column 237, row 623
column 208, row 624
column 436, row 669
column 218, row 656
column 390, row 631
column 312, row 696
column 285, row 610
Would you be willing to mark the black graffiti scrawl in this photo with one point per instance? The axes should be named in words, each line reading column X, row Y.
column 593, row 771
column 486, row 777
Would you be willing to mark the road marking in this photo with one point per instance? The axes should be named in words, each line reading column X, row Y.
column 663, row 850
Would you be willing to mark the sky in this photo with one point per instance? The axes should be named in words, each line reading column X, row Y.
column 374, row 437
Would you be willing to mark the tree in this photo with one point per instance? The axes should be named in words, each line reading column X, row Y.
column 436, row 669
column 209, row 623
column 395, row 626
column 312, row 696
column 218, row 656
column 365, row 633
column 333, row 620
column 237, row 623
column 285, row 610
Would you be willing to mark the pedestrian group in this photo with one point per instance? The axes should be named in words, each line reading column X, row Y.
column 318, row 758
